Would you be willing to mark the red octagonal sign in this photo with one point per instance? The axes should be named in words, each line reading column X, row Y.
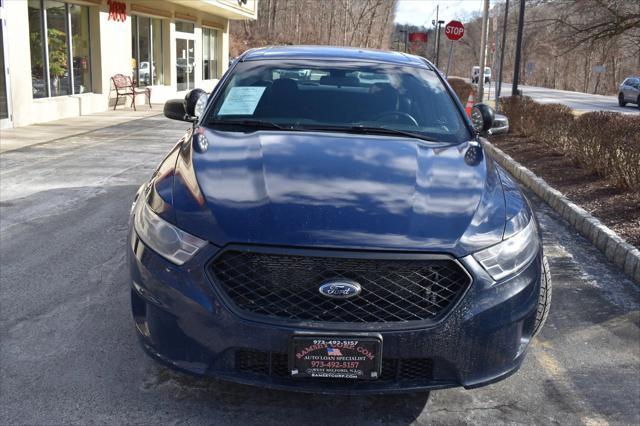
column 454, row 30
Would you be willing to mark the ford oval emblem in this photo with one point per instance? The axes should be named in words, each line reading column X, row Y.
column 340, row 289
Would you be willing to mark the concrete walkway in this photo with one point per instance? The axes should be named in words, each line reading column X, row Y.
column 36, row 134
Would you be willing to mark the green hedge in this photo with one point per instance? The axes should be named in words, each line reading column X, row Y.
column 607, row 143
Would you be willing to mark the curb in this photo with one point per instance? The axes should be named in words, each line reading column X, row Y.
column 617, row 250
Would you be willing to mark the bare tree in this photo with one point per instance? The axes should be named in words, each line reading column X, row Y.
column 563, row 41
column 360, row 23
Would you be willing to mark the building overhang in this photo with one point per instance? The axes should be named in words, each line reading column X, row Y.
column 230, row 9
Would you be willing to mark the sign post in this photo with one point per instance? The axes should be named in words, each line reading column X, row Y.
column 449, row 60
column 454, row 31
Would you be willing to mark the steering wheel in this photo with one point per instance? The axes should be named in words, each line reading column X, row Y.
column 401, row 114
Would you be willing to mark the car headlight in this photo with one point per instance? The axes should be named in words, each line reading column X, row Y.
column 510, row 255
column 168, row 241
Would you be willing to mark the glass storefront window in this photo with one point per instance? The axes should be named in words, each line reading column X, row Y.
column 81, row 49
column 209, row 54
column 38, row 65
column 148, row 55
column 157, row 51
column 59, row 80
column 185, row 27
column 185, row 75
column 60, row 45
column 144, row 52
column 4, row 101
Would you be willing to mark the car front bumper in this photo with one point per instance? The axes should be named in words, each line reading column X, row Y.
column 182, row 322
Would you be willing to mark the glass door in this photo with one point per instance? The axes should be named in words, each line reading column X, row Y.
column 5, row 100
column 185, row 64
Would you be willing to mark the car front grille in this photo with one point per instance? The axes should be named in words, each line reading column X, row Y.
column 286, row 286
column 275, row 365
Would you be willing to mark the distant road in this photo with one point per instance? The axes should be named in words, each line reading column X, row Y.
column 583, row 102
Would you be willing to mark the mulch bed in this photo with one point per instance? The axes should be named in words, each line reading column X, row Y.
column 617, row 208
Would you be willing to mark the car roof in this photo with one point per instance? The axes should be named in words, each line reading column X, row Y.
column 335, row 53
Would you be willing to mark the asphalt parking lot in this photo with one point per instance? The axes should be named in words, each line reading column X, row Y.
column 69, row 353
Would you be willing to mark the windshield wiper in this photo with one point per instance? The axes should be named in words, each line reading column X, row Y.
column 254, row 124
column 370, row 130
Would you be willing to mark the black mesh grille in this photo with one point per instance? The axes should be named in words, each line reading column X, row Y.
column 252, row 361
column 286, row 286
column 279, row 365
column 389, row 369
column 416, row 369
column 275, row 364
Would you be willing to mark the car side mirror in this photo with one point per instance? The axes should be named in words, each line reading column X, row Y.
column 174, row 109
column 189, row 108
column 482, row 117
column 500, row 125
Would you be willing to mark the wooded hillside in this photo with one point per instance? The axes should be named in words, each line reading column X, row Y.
column 360, row 23
column 582, row 45
column 579, row 45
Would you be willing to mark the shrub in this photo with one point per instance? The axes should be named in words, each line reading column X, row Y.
column 552, row 124
column 462, row 88
column 607, row 143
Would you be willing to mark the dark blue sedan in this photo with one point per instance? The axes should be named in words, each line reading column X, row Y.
column 332, row 223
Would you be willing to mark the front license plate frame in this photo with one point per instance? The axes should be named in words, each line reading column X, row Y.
column 336, row 356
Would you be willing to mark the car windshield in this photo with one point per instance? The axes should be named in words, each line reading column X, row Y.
column 338, row 96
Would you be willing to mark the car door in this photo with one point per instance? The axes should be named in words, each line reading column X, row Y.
column 629, row 89
column 634, row 91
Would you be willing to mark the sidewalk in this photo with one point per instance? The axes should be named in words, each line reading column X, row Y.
column 20, row 137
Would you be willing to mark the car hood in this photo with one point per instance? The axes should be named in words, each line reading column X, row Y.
column 334, row 190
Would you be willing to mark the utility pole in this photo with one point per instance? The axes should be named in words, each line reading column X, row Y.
column 516, row 68
column 435, row 39
column 483, row 49
column 450, row 54
column 406, row 39
column 494, row 51
column 502, row 47
column 438, row 42
column 438, row 23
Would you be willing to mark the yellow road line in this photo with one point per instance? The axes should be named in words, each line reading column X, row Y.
column 560, row 377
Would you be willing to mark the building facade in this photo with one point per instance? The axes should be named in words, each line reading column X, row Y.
column 58, row 57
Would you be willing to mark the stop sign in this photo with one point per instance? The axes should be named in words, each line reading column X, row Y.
column 454, row 30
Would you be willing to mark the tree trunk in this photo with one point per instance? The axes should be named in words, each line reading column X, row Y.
column 385, row 28
column 269, row 19
column 344, row 42
column 371, row 21
column 297, row 26
column 330, row 29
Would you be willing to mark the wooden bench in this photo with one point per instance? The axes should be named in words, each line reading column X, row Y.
column 124, row 87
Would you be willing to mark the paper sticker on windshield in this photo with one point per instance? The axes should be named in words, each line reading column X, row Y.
column 241, row 100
